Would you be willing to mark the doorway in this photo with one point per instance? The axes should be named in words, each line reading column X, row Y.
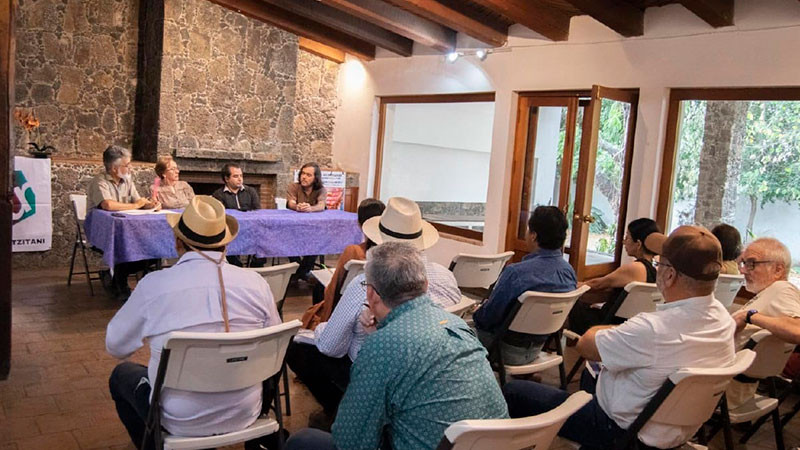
column 573, row 150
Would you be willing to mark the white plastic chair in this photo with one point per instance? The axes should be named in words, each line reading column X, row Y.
column 688, row 397
column 512, row 434
column 78, row 202
column 641, row 297
column 277, row 278
column 727, row 288
column 539, row 313
column 280, row 203
column 478, row 271
column 354, row 268
column 461, row 308
column 771, row 356
column 219, row 362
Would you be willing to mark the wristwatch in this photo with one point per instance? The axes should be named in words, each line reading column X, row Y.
column 750, row 315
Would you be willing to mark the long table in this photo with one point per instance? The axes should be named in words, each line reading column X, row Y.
column 264, row 233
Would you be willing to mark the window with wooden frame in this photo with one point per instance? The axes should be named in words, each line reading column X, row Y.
column 435, row 150
column 732, row 155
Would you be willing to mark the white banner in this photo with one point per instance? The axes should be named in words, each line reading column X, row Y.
column 32, row 210
column 334, row 182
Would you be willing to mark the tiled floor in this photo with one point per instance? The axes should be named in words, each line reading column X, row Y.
column 56, row 396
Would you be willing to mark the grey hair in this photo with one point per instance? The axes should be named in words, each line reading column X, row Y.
column 396, row 271
column 113, row 155
column 774, row 250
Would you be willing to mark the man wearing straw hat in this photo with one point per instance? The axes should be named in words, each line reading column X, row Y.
column 200, row 293
column 324, row 366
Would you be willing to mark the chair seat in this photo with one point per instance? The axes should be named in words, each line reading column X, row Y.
column 753, row 409
column 261, row 427
column 542, row 362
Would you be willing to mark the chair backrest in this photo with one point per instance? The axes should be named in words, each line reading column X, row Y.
column 78, row 202
column 696, row 392
column 461, row 308
column 280, row 203
column 544, row 312
column 513, row 434
column 277, row 278
column 354, row 268
column 727, row 288
column 771, row 355
column 478, row 271
column 641, row 297
column 221, row 362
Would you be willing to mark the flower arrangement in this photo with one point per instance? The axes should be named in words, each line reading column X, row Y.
column 30, row 123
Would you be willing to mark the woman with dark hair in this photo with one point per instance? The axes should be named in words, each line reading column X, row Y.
column 608, row 288
column 307, row 194
column 324, row 303
column 731, row 242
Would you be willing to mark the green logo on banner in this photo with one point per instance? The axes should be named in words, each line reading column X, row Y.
column 24, row 199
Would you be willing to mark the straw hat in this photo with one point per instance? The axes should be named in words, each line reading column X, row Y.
column 401, row 221
column 204, row 223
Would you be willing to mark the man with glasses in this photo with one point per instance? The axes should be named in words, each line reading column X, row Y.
column 765, row 264
column 114, row 190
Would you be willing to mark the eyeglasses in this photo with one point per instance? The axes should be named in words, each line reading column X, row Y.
column 365, row 284
column 657, row 264
column 751, row 264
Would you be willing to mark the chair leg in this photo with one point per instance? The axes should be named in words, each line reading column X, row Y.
column 562, row 369
column 285, row 376
column 790, row 415
column 575, row 368
column 701, row 435
column 278, row 414
column 86, row 269
column 72, row 263
column 726, row 423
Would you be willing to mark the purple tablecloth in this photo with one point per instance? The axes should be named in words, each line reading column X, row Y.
column 266, row 232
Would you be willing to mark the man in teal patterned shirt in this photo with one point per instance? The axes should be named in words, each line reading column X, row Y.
column 422, row 370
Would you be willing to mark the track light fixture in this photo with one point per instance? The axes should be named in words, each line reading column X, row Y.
column 452, row 57
column 480, row 53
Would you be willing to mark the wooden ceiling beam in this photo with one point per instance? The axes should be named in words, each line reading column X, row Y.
column 321, row 50
column 718, row 13
column 618, row 15
column 548, row 21
column 400, row 21
column 354, row 26
column 457, row 20
column 301, row 26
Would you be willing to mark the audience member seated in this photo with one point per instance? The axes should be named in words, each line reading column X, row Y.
column 320, row 311
column 236, row 195
column 188, row 297
column 324, row 365
column 171, row 191
column 306, row 195
column 609, row 289
column 765, row 264
column 543, row 269
column 114, row 190
column 422, row 370
column 691, row 329
column 731, row 242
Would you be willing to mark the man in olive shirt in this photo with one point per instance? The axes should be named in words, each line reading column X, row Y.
column 422, row 370
column 113, row 190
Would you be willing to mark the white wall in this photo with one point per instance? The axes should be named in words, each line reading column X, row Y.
column 677, row 50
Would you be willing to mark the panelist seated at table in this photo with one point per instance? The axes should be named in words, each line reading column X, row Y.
column 170, row 190
column 307, row 194
column 235, row 194
column 114, row 191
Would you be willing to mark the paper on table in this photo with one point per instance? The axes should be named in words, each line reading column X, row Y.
column 142, row 212
column 305, row 337
column 324, row 276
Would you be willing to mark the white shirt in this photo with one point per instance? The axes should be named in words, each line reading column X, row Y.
column 640, row 354
column 779, row 299
column 343, row 333
column 186, row 297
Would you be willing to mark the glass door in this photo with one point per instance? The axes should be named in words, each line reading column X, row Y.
column 572, row 150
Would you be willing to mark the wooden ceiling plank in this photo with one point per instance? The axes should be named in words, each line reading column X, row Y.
column 718, row 13
column 301, row 26
column 400, row 21
column 620, row 16
column 346, row 23
column 322, row 50
column 457, row 20
column 547, row 21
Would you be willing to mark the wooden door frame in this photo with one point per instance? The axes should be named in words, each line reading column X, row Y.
column 7, row 48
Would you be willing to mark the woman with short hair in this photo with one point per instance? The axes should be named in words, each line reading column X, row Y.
column 170, row 190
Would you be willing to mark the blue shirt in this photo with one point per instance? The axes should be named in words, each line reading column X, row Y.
column 542, row 271
column 422, row 370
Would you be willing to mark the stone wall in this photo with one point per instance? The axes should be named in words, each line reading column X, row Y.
column 76, row 67
column 232, row 87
